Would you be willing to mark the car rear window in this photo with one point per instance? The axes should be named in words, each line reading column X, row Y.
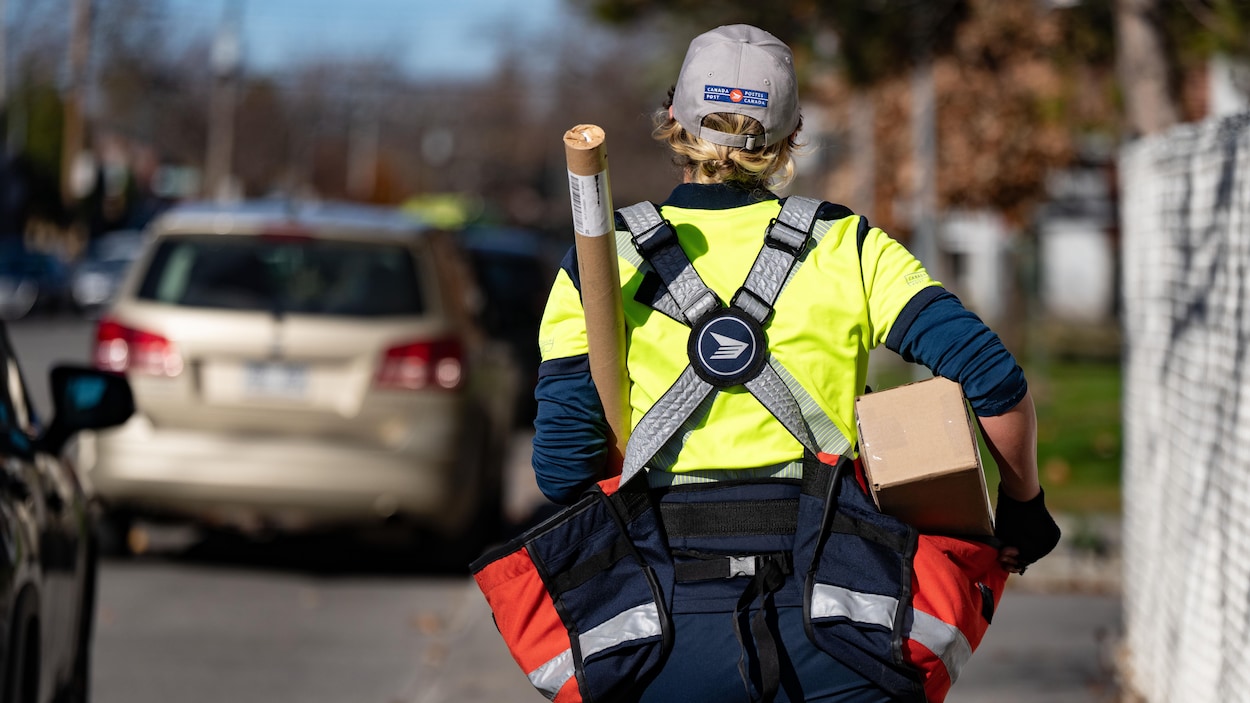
column 296, row 275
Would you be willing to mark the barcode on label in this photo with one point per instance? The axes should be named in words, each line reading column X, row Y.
column 592, row 207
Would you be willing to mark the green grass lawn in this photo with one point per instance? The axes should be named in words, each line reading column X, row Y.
column 1078, row 428
column 1079, row 437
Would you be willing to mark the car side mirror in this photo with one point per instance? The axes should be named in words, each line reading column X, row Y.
column 85, row 398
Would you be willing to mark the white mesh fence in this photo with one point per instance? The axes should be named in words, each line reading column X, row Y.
column 1185, row 217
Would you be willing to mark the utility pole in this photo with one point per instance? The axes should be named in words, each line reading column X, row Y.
column 924, row 140
column 73, row 139
column 227, row 56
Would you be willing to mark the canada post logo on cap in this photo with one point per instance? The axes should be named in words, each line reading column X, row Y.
column 740, row 96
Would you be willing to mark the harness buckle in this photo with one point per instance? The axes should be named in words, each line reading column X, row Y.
column 771, row 568
column 785, row 238
column 654, row 239
column 752, row 304
column 701, row 306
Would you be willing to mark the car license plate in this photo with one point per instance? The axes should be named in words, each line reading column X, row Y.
column 276, row 379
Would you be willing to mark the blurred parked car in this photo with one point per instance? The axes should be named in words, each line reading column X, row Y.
column 31, row 281
column 96, row 277
column 515, row 268
column 303, row 366
column 48, row 556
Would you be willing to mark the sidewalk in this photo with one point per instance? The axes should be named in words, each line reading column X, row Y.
column 1058, row 628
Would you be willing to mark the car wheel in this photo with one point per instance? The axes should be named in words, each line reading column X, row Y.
column 21, row 685
column 452, row 554
column 487, row 525
column 77, row 688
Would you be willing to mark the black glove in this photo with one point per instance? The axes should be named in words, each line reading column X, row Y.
column 1026, row 525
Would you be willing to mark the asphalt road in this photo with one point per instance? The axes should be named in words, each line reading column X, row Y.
column 208, row 620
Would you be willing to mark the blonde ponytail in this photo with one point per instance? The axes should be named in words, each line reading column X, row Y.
column 770, row 167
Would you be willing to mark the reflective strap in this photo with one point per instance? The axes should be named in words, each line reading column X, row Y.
column 663, row 420
column 668, row 259
column 667, row 454
column 824, row 430
column 829, row 601
column 784, row 470
column 626, row 250
column 785, row 242
column 799, row 213
column 750, row 303
column 940, row 637
column 637, row 623
column 943, row 639
column 551, row 677
column 662, row 303
column 819, row 230
column 641, row 217
column 776, row 397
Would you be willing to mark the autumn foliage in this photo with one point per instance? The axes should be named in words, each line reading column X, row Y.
column 1010, row 108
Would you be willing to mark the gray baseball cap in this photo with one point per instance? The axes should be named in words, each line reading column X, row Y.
column 740, row 69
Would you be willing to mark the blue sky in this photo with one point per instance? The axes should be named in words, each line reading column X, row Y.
column 430, row 38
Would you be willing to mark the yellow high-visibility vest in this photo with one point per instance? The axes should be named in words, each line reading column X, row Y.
column 840, row 303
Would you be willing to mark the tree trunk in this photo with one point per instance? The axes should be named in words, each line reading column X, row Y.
column 863, row 153
column 1142, row 63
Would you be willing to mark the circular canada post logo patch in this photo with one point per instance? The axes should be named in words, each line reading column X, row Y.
column 727, row 347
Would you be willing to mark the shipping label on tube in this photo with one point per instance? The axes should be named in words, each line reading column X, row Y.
column 592, row 206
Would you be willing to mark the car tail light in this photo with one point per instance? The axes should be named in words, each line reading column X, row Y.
column 121, row 348
column 418, row 365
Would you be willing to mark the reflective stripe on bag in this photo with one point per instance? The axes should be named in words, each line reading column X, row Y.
column 923, row 629
column 829, row 601
column 577, row 599
column 524, row 612
column 944, row 641
column 634, row 624
column 956, row 586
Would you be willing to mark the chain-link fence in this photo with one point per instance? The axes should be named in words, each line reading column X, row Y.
column 1185, row 204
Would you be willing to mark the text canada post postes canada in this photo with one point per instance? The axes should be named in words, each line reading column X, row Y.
column 724, row 94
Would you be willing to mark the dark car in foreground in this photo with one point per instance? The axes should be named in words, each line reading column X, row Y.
column 48, row 556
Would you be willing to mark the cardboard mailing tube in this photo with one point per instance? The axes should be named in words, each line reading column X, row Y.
column 594, row 236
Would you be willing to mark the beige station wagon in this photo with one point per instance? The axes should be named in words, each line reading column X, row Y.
column 300, row 366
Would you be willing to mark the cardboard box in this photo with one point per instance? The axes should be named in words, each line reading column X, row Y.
column 918, row 444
